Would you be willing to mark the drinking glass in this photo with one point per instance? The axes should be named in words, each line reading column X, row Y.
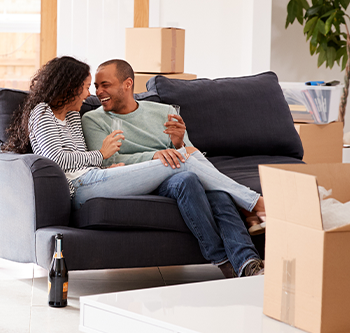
column 117, row 124
column 175, row 110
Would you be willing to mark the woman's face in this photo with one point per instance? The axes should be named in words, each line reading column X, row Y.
column 85, row 93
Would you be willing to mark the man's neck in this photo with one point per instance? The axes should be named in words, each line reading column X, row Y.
column 128, row 107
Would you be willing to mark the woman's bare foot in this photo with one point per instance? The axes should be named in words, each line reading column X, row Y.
column 260, row 206
column 256, row 220
column 189, row 151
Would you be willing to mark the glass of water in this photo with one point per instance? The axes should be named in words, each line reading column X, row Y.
column 175, row 109
column 117, row 124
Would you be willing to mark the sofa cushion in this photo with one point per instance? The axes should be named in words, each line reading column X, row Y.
column 10, row 100
column 143, row 212
column 245, row 170
column 240, row 116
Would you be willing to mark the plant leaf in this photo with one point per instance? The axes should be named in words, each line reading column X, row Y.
column 331, row 55
column 313, row 40
column 299, row 13
column 344, row 3
column 305, row 4
column 310, row 24
column 329, row 22
column 312, row 49
column 321, row 58
column 313, row 10
column 292, row 11
column 330, row 12
column 320, row 26
column 341, row 52
column 344, row 61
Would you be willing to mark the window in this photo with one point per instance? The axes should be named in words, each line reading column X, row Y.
column 19, row 42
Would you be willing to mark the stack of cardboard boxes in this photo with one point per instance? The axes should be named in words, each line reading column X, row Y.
column 315, row 112
column 306, row 265
column 154, row 51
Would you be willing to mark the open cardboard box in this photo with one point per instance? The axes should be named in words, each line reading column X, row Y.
column 307, row 269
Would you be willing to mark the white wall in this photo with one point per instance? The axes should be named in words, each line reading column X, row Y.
column 290, row 55
column 223, row 37
column 93, row 30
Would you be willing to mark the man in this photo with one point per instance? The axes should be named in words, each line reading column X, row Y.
column 212, row 217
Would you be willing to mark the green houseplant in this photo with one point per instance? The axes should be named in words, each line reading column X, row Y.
column 325, row 21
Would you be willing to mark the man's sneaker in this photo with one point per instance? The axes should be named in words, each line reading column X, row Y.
column 255, row 267
column 227, row 270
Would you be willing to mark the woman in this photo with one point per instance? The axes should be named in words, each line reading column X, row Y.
column 51, row 121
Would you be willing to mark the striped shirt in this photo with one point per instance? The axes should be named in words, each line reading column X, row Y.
column 62, row 142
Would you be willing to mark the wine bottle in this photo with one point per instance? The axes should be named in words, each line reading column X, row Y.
column 58, row 276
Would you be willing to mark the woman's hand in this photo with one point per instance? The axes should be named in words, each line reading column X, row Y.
column 111, row 144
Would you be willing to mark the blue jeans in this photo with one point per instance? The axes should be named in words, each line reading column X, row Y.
column 213, row 219
column 145, row 177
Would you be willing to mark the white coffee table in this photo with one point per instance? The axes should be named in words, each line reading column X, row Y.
column 231, row 305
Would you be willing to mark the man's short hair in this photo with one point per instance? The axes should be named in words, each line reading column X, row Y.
column 123, row 69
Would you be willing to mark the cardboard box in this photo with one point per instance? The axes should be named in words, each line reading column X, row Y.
column 312, row 104
column 306, row 268
column 141, row 79
column 155, row 50
column 322, row 143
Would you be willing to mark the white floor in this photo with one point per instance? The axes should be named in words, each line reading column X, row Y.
column 23, row 292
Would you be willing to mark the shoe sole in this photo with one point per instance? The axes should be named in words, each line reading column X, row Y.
column 257, row 229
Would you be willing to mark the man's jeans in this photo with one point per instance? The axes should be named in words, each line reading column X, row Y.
column 213, row 219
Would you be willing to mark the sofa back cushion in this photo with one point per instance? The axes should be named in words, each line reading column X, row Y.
column 239, row 116
column 10, row 99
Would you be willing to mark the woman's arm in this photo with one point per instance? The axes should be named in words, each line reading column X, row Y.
column 63, row 145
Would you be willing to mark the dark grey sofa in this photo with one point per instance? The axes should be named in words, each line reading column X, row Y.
column 240, row 123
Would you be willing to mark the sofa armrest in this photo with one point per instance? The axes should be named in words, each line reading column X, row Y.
column 34, row 194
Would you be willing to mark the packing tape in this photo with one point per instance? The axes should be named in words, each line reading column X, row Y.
column 173, row 49
column 288, row 292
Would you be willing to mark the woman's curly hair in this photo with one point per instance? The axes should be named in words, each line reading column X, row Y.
column 57, row 83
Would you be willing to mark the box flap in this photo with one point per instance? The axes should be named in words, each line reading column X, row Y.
column 291, row 196
column 345, row 228
column 284, row 183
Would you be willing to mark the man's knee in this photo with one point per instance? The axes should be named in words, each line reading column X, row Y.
column 187, row 181
column 183, row 182
column 219, row 196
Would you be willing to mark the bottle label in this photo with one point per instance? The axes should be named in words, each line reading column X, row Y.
column 65, row 290
column 56, row 255
column 49, row 285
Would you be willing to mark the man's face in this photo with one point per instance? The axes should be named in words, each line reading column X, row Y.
column 109, row 89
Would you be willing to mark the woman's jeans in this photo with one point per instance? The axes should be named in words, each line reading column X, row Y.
column 145, row 177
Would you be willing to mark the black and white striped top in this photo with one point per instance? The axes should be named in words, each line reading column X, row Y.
column 61, row 141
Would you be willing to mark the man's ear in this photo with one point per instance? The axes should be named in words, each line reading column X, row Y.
column 128, row 83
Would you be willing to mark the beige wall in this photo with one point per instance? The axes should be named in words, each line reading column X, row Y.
column 290, row 56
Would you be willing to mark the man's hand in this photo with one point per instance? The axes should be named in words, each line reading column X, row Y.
column 170, row 156
column 176, row 130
